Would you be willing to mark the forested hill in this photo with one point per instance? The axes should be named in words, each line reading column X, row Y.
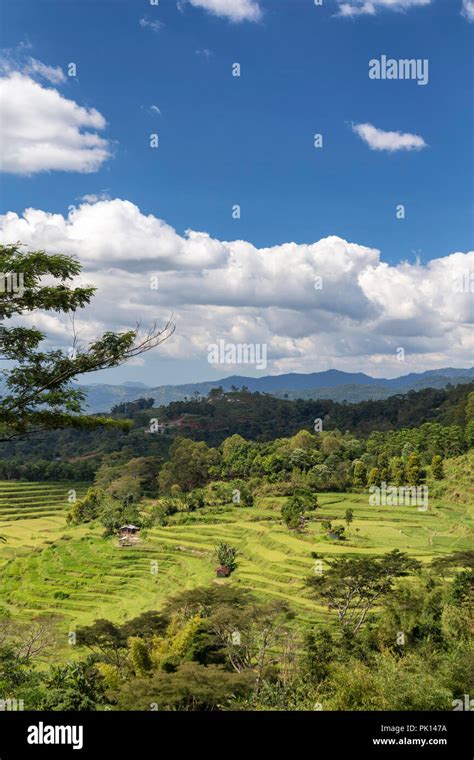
column 255, row 416
column 331, row 384
column 264, row 417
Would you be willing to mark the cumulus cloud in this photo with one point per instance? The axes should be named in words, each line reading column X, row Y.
column 234, row 10
column 468, row 9
column 40, row 130
column 315, row 305
column 94, row 197
column 378, row 139
column 371, row 7
column 116, row 233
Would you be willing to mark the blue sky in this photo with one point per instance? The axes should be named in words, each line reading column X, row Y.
column 225, row 140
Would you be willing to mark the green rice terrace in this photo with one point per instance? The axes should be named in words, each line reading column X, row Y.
column 50, row 567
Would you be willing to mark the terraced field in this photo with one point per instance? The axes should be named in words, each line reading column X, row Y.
column 32, row 514
column 49, row 567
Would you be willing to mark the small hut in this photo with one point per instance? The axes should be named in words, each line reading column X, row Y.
column 129, row 535
column 223, row 571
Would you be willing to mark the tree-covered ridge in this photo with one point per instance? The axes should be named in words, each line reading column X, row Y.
column 214, row 423
column 261, row 416
column 71, row 454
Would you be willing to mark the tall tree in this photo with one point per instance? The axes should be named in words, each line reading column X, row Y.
column 414, row 473
column 37, row 393
column 437, row 467
column 353, row 586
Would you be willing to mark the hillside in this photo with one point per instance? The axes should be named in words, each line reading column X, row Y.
column 76, row 574
column 292, row 508
column 71, row 454
column 457, row 487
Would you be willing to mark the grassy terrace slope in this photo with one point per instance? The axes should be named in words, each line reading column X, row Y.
column 33, row 514
column 73, row 572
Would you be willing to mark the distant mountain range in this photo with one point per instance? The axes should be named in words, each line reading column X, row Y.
column 331, row 384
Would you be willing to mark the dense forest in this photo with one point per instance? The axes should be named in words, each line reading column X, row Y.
column 77, row 455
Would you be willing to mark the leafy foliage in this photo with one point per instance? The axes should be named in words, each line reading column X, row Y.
column 352, row 586
column 226, row 555
column 39, row 393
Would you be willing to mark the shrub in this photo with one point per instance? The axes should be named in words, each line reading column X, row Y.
column 226, row 555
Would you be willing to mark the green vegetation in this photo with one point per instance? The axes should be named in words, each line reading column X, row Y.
column 219, row 648
column 322, row 597
column 64, row 577
column 39, row 395
column 51, row 556
column 226, row 556
column 33, row 514
column 441, row 418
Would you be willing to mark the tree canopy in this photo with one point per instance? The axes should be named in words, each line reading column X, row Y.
column 38, row 393
column 352, row 586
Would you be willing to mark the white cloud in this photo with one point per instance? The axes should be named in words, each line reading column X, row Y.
column 10, row 61
column 40, row 130
column 468, row 9
column 155, row 109
column 371, row 7
column 118, row 234
column 234, row 10
column 94, row 197
column 378, row 139
column 53, row 74
column 365, row 310
column 146, row 23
